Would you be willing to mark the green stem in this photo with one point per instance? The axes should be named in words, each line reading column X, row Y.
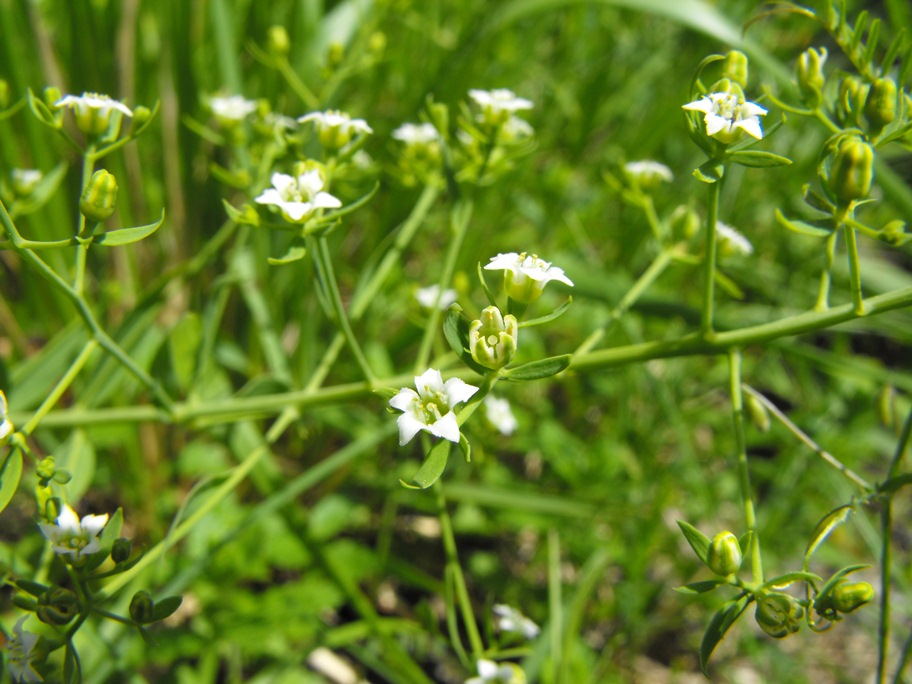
column 750, row 518
column 823, row 294
column 854, row 269
column 61, row 387
column 462, row 592
column 460, row 216
column 297, row 85
column 709, row 259
column 324, row 265
column 82, row 249
column 886, row 554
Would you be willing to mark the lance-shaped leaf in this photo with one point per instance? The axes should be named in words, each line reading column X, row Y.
column 698, row 541
column 126, row 236
column 295, row 252
column 547, row 318
column 10, row 474
column 535, row 370
column 758, row 159
column 432, row 468
column 802, row 227
column 789, row 578
column 701, row 587
column 827, row 524
column 721, row 622
column 165, row 607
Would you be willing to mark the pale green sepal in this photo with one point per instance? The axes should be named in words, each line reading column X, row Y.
column 465, row 447
column 559, row 311
column 700, row 587
column 456, row 332
column 294, row 253
column 802, row 227
column 126, row 236
column 830, row 521
column 758, row 159
column 10, row 474
column 43, row 113
column 486, row 289
column 433, row 466
column 817, row 201
column 535, row 370
column 721, row 622
column 246, row 215
column 698, row 541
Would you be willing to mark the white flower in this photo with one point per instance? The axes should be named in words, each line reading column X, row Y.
column 430, row 296
column 525, row 275
column 334, row 128
column 511, row 620
column 648, row 173
column 21, row 650
column 727, row 114
column 499, row 100
column 6, row 425
column 501, row 417
column 431, row 407
column 491, row 672
column 25, row 180
column 74, row 536
column 93, row 111
column 416, row 134
column 298, row 198
column 731, row 240
column 232, row 109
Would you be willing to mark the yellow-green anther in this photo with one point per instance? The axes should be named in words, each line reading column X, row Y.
column 493, row 338
column 778, row 614
column 142, row 607
column 99, row 197
column 735, row 67
column 810, row 75
column 852, row 171
column 880, row 104
column 849, row 596
column 724, row 554
column 277, row 41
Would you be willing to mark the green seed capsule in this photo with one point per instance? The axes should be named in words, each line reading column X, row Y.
column 142, row 607
column 99, row 197
column 778, row 614
column 850, row 596
column 852, row 170
column 735, row 67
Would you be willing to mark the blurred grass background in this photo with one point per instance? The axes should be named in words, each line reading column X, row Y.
column 602, row 465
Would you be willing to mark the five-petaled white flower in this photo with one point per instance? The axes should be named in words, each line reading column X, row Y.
column 525, row 275
column 511, row 620
column 416, row 134
column 6, row 425
column 21, row 654
column 500, row 100
column 73, row 536
column 490, row 672
column 731, row 240
column 499, row 414
column 334, row 128
column 648, row 173
column 726, row 115
column 93, row 111
column 431, row 407
column 431, row 296
column 232, row 108
column 298, row 198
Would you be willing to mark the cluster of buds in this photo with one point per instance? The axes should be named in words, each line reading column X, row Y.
column 493, row 338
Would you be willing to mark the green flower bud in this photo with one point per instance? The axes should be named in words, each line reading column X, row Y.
column 734, row 67
column 58, row 606
column 894, row 233
column 493, row 337
column 62, row 476
column 880, row 104
column 45, row 469
column 886, row 406
column 778, row 614
column 121, row 550
column 142, row 607
column 724, row 554
column 4, row 94
column 851, row 170
column 277, row 42
column 850, row 596
column 51, row 95
column 810, row 75
column 852, row 94
column 758, row 414
column 685, row 223
column 52, row 506
column 141, row 116
column 99, row 197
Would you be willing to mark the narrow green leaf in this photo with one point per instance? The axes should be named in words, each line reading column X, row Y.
column 828, row 523
column 183, row 346
column 294, row 253
column 484, row 286
column 759, row 159
column 698, row 541
column 42, row 112
column 543, row 368
column 126, row 236
column 433, row 466
column 165, row 607
column 802, row 227
column 817, row 201
column 10, row 474
column 721, row 622
column 77, row 455
column 557, row 313
column 789, row 578
column 700, row 587
column 465, row 447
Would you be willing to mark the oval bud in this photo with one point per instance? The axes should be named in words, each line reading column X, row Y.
column 886, row 406
column 852, row 94
column 62, row 476
column 850, row 596
column 121, row 550
column 51, row 96
column 141, row 116
column 142, row 607
column 25, row 602
column 734, row 67
column 58, row 606
column 724, row 554
column 99, row 197
column 758, row 413
column 277, row 42
column 778, row 614
column 880, row 104
column 45, row 469
column 852, row 170
column 809, row 71
column 493, row 338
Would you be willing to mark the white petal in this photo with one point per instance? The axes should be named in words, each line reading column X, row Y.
column 429, row 381
column 487, row 669
column 93, row 524
column 313, row 116
column 704, row 105
column 447, row 427
column 297, row 210
column 282, row 181
column 409, row 426
column 749, row 109
column 458, row 391
column 509, row 262
column 323, row 200
column 715, row 123
column 751, row 126
column 404, row 399
column 270, row 196
column 68, row 520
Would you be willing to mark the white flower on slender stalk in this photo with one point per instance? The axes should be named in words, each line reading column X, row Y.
column 511, row 620
column 334, row 128
column 25, row 180
column 731, row 241
column 22, row 654
column 647, row 173
column 6, row 425
column 431, row 407
column 416, row 134
column 298, row 198
column 499, row 414
column 231, row 109
column 430, row 297
column 490, row 672
column 93, row 111
column 727, row 115
column 73, row 536
column 525, row 275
